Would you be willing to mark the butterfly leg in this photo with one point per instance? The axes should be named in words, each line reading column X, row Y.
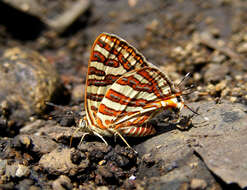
column 101, row 137
column 123, row 139
column 71, row 138
column 83, row 136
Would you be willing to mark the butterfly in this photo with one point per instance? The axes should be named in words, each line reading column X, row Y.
column 124, row 91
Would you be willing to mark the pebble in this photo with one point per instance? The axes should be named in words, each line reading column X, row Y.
column 22, row 171
column 17, row 170
column 198, row 184
column 62, row 183
column 242, row 48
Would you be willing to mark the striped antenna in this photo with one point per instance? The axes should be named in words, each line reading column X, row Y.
column 184, row 78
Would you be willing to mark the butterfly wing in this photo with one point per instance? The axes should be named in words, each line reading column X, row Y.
column 111, row 57
column 129, row 102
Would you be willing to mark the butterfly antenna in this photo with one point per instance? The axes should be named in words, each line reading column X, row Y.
column 183, row 79
column 193, row 111
column 189, row 88
column 54, row 105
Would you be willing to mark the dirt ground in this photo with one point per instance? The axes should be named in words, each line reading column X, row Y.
column 44, row 57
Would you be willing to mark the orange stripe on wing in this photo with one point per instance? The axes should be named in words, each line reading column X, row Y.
column 146, row 73
column 135, row 84
column 111, row 112
column 125, row 100
column 99, row 123
column 140, row 120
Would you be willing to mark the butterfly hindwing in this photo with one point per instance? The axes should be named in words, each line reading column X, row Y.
column 124, row 106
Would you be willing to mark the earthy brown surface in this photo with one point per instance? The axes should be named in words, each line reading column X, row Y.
column 206, row 38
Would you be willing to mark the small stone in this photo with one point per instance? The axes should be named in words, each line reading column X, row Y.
column 132, row 177
column 242, row 48
column 11, row 170
column 78, row 93
column 153, row 25
column 32, row 127
column 62, row 183
column 3, row 164
column 218, row 58
column 148, row 160
column 198, row 184
column 220, row 86
column 105, row 172
column 22, row 171
column 233, row 99
column 215, row 72
column 17, row 170
column 102, row 162
column 102, row 188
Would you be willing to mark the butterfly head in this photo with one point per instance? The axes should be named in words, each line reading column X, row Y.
column 178, row 93
column 83, row 124
column 174, row 103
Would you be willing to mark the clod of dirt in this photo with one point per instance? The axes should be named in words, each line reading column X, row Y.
column 96, row 151
column 58, row 162
column 27, row 81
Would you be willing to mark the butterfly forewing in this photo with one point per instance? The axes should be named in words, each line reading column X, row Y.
column 111, row 57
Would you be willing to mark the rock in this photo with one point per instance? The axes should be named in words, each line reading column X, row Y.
column 62, row 183
column 217, row 134
column 215, row 72
column 60, row 134
column 32, row 127
column 38, row 144
column 17, row 170
column 58, row 162
column 27, row 81
column 222, row 142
